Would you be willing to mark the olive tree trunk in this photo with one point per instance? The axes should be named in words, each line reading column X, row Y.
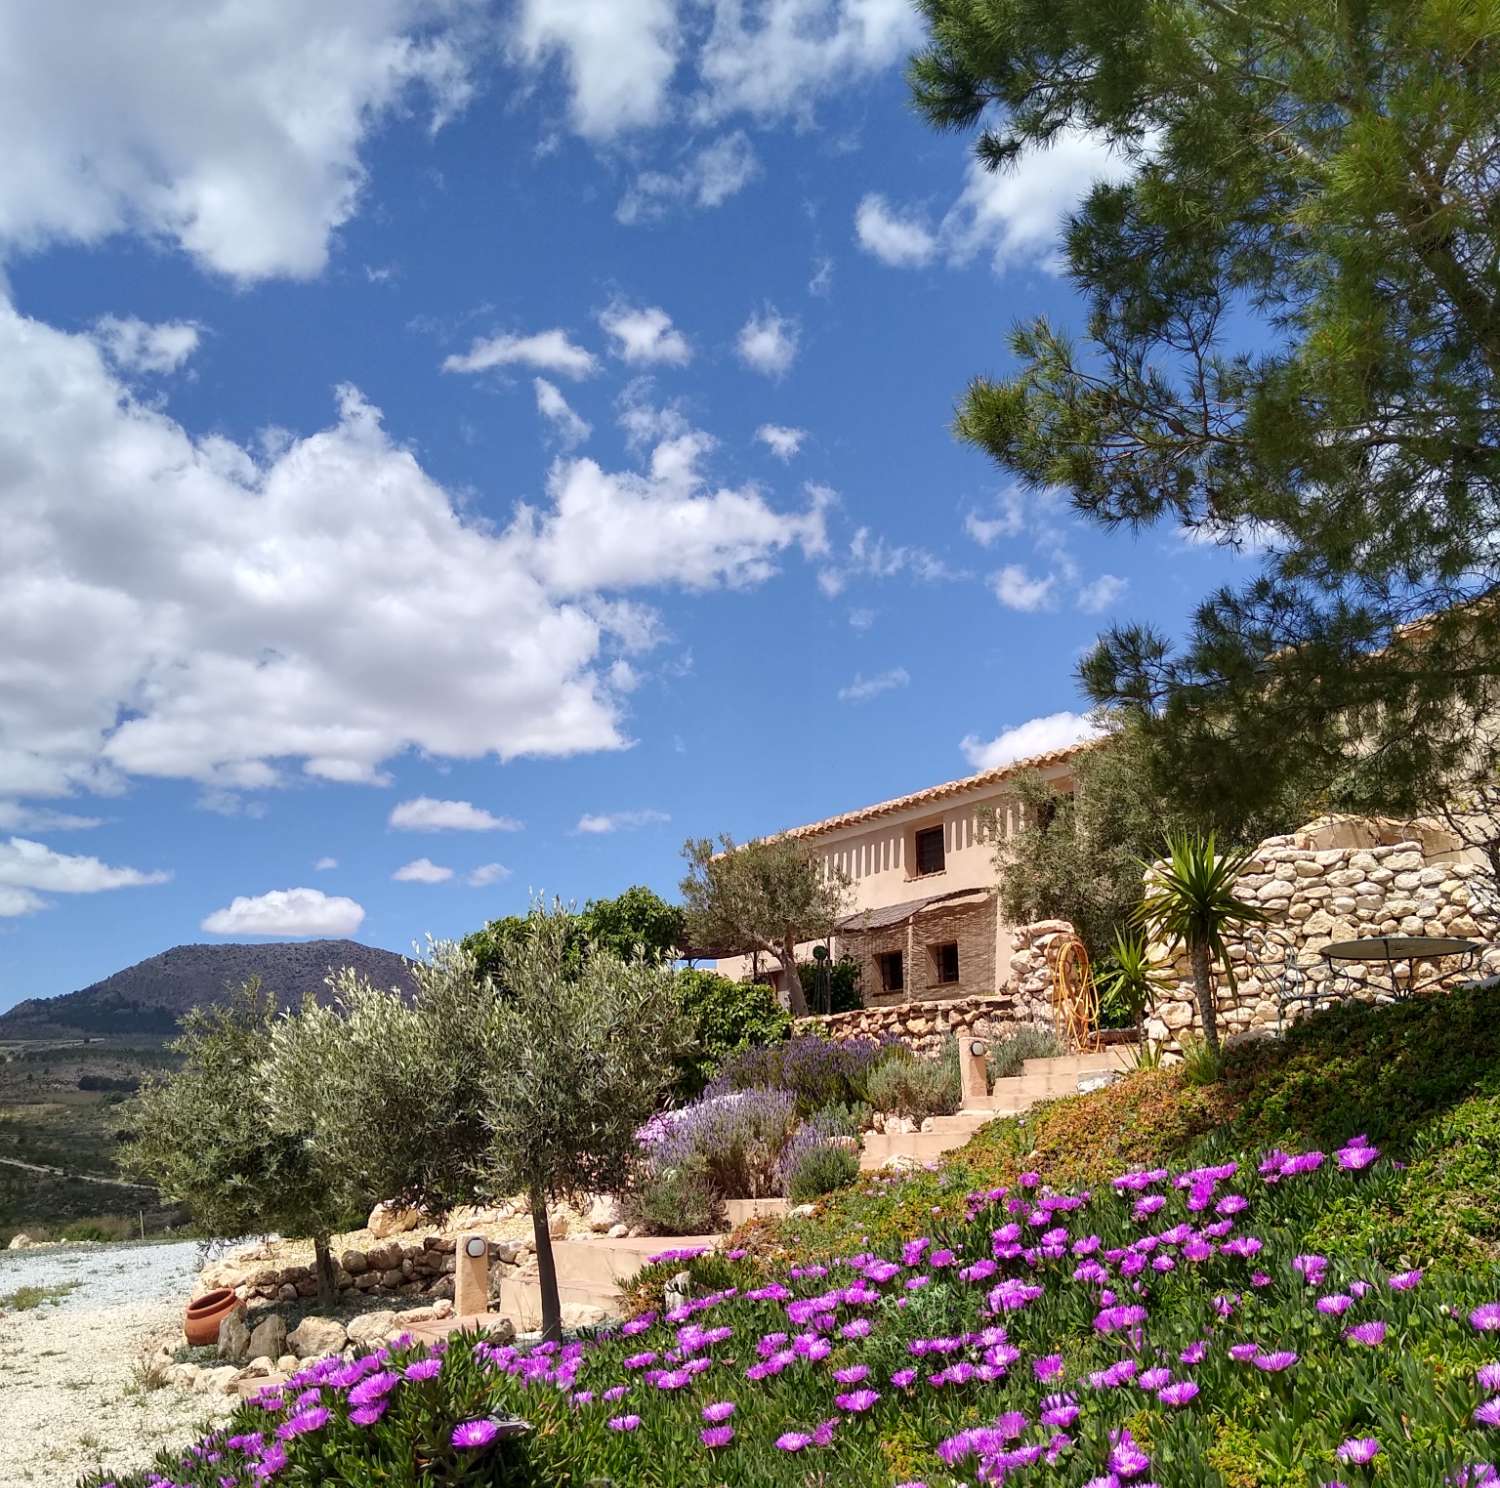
column 546, row 1268
column 796, row 999
column 323, row 1271
column 1203, row 985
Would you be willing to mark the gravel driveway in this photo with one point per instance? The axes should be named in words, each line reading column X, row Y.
column 69, row 1399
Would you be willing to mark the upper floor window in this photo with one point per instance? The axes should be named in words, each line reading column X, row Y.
column 929, row 851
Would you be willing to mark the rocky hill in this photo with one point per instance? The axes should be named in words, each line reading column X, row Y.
column 149, row 997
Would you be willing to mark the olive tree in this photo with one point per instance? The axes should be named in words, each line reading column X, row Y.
column 761, row 896
column 576, row 1060
column 205, row 1134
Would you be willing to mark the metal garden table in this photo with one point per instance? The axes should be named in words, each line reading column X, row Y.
column 1394, row 951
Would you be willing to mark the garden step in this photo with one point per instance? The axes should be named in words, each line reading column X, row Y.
column 923, row 1146
column 1077, row 1064
column 602, row 1263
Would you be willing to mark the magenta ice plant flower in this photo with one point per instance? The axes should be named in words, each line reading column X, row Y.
column 1359, row 1450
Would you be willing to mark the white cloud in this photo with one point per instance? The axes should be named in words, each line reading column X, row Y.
column 644, row 422
column 609, row 531
column 194, row 609
column 862, row 688
column 1008, row 519
column 706, row 179
column 902, row 241
column 570, row 427
column 777, row 57
column 28, row 869
column 871, row 556
column 618, row 821
column 287, row 912
column 1101, row 594
column 1036, row 736
column 133, row 345
column 549, row 351
column 821, row 283
column 644, row 335
column 1012, row 215
column 780, row 440
column 422, row 870
column 324, row 864
column 768, row 342
column 619, row 56
column 425, row 814
column 486, row 874
column 233, row 131
column 1016, row 589
column 861, row 618
column 16, row 816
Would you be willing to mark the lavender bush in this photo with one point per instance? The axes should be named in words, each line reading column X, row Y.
column 817, row 1071
column 738, row 1138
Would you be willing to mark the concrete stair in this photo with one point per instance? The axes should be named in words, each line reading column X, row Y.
column 1039, row 1080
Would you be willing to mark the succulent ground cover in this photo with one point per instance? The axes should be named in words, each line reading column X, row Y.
column 1165, row 1327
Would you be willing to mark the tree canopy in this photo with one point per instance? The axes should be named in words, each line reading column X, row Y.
column 1292, row 335
column 760, row 896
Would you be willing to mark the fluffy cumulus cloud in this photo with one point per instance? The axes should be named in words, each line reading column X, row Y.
column 19, row 816
column 427, row 814
column 1007, row 518
column 570, row 427
column 135, row 345
column 30, row 869
column 1101, row 594
column 182, row 607
column 1035, row 736
column 780, row 440
column 602, row 823
column 231, row 131
column 1012, row 216
column 1017, row 588
column 287, row 912
column 643, row 335
column 547, row 351
column 612, row 530
column 422, row 870
column 618, row 57
column 777, row 57
column 862, row 688
column 706, row 178
column 767, row 342
column 898, row 239
column 486, row 874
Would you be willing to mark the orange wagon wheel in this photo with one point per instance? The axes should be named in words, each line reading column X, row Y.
column 1075, row 998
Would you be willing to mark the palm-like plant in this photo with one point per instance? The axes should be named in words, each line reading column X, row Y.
column 1128, row 980
column 1191, row 902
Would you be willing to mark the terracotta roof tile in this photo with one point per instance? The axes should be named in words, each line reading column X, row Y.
column 932, row 793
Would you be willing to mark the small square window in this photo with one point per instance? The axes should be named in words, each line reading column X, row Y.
column 929, row 851
column 892, row 971
column 944, row 961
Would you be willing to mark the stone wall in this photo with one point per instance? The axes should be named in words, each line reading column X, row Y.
column 1313, row 895
column 924, row 1023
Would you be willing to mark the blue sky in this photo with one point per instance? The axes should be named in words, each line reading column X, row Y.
column 452, row 451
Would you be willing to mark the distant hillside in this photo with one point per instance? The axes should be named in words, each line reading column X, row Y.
column 149, row 997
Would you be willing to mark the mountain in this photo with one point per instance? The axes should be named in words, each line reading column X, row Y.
column 149, row 997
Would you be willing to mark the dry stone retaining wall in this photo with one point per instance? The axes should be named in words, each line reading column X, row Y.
column 923, row 1025
column 1313, row 896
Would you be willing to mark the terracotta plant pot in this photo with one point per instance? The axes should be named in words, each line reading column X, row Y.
column 201, row 1319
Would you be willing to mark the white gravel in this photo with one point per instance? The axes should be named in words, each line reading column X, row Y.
column 70, row 1400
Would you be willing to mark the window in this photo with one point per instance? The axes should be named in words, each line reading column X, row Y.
column 892, row 973
column 929, row 851
column 944, row 961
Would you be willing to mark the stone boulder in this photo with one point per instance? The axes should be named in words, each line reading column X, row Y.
column 389, row 1219
column 315, row 1336
column 371, row 1327
column 234, row 1336
column 19, row 1242
column 268, row 1337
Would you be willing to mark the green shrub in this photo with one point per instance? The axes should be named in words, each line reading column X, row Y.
column 1024, row 1042
column 1201, row 1062
column 840, row 993
column 727, row 1017
column 908, row 1086
column 676, row 1199
column 819, row 1171
column 844, row 1120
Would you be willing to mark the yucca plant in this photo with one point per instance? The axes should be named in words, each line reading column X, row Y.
column 1128, row 979
column 1190, row 901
